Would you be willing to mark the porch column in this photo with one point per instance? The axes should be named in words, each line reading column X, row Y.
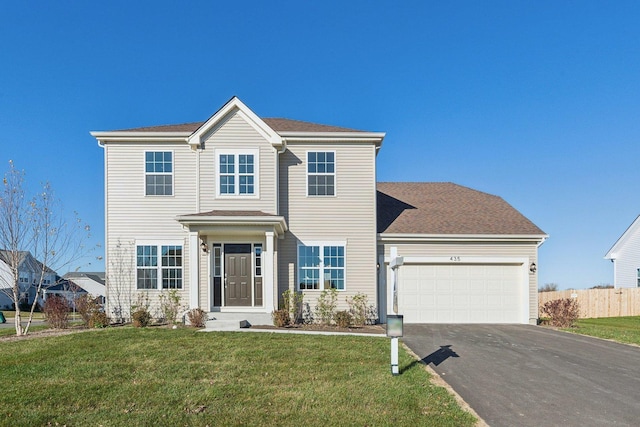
column 269, row 282
column 393, row 254
column 194, row 276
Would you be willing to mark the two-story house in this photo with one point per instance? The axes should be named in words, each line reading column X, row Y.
column 31, row 273
column 233, row 211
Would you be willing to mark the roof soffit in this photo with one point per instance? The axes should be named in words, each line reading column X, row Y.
column 234, row 105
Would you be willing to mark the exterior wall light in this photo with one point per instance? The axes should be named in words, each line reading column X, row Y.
column 533, row 268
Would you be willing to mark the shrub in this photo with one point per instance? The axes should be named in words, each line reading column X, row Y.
column 326, row 306
column 280, row 318
column 170, row 306
column 142, row 304
column 307, row 314
column 197, row 317
column 141, row 317
column 562, row 313
column 343, row 319
column 91, row 312
column 292, row 303
column 84, row 307
column 56, row 311
column 99, row 319
column 362, row 313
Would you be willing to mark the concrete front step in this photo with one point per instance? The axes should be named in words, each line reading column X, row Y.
column 222, row 321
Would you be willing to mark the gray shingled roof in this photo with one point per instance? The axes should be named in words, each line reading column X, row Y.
column 277, row 124
column 446, row 208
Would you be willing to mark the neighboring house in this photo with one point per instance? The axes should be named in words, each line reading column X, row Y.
column 92, row 282
column 66, row 289
column 236, row 210
column 625, row 255
column 30, row 272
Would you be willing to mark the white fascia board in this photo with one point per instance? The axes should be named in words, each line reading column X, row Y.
column 364, row 137
column 233, row 105
column 276, row 221
column 534, row 238
column 124, row 136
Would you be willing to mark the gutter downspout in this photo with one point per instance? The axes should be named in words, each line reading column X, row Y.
column 277, row 173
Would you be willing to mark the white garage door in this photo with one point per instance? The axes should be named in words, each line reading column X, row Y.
column 455, row 293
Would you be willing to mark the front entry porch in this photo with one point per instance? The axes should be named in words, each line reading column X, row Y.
column 232, row 260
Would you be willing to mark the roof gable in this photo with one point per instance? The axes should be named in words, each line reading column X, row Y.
column 26, row 261
column 277, row 131
column 619, row 245
column 447, row 209
column 234, row 106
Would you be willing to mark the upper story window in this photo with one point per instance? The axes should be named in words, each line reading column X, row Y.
column 237, row 172
column 158, row 173
column 321, row 173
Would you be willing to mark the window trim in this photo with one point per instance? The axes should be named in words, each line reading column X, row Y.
column 159, row 267
column 321, row 266
column 334, row 174
column 173, row 168
column 237, row 152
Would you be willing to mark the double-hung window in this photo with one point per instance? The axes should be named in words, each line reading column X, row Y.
column 158, row 168
column 237, row 173
column 159, row 266
column 321, row 266
column 321, row 173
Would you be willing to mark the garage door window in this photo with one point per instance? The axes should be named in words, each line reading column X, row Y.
column 321, row 266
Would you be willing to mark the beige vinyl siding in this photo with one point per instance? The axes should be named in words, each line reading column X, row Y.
column 515, row 250
column 349, row 216
column 132, row 216
column 235, row 133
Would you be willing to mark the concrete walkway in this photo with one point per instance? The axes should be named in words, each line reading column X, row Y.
column 242, row 322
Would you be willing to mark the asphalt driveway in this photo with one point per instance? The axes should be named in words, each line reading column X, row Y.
column 519, row 375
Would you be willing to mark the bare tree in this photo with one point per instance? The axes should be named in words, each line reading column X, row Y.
column 120, row 280
column 35, row 226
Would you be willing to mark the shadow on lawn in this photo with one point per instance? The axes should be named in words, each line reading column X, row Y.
column 437, row 357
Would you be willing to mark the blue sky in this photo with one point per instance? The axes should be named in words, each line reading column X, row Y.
column 535, row 101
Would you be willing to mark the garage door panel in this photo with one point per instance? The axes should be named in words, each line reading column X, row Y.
column 456, row 293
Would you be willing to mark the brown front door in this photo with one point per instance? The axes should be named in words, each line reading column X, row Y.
column 237, row 274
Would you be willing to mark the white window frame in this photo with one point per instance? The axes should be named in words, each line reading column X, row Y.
column 236, row 153
column 159, row 267
column 333, row 174
column 321, row 266
column 146, row 174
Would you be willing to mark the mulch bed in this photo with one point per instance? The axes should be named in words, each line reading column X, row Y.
column 367, row 329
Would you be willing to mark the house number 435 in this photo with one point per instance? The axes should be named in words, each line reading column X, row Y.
column 454, row 258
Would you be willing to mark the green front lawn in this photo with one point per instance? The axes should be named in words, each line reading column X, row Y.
column 158, row 376
column 622, row 329
column 24, row 314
